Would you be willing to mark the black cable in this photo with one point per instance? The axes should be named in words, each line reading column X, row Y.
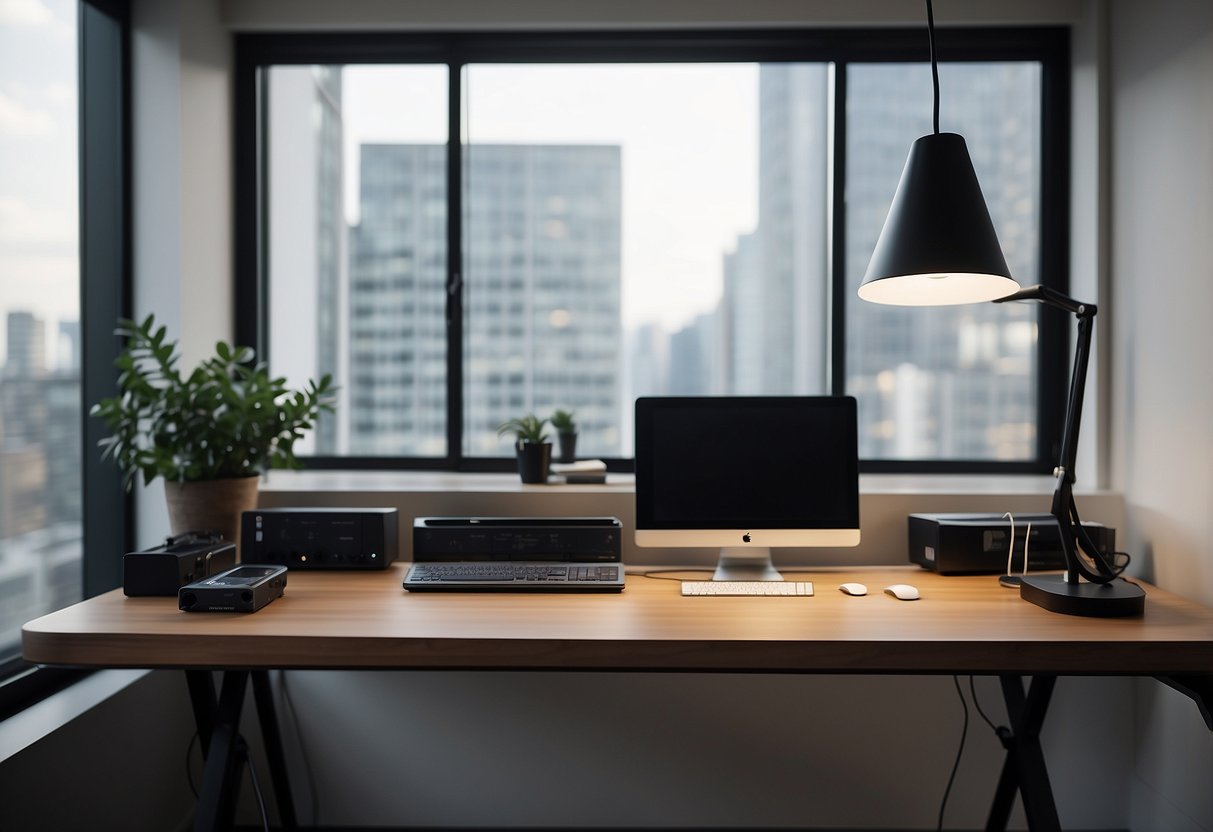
column 934, row 63
column 977, row 704
column 964, row 731
column 659, row 574
column 252, row 773
column 189, row 774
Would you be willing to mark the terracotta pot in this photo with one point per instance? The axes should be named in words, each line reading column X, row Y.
column 211, row 505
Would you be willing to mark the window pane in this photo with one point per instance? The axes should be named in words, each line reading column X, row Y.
column 40, row 418
column 357, row 250
column 640, row 230
column 945, row 382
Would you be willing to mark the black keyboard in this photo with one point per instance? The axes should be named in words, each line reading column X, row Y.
column 515, row 576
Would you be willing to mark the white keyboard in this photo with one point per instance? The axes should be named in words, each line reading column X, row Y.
column 747, row 587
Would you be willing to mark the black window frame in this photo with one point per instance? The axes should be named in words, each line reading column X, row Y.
column 1048, row 45
column 104, row 118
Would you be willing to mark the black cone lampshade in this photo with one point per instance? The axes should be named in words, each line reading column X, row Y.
column 938, row 246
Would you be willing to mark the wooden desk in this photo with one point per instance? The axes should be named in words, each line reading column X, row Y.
column 966, row 625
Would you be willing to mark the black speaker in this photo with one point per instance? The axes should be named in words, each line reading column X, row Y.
column 180, row 560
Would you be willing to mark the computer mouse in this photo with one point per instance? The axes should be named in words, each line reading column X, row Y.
column 903, row 592
column 852, row 588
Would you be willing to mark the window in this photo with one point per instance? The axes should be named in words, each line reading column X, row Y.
column 61, row 80
column 40, row 444
column 462, row 229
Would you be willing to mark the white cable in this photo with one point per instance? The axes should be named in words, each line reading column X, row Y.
column 1011, row 547
column 1026, row 539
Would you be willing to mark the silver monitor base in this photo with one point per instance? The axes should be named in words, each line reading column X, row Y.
column 746, row 564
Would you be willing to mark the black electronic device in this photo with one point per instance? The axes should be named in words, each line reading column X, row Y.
column 541, row 539
column 321, row 538
column 246, row 588
column 977, row 544
column 747, row 474
column 181, row 559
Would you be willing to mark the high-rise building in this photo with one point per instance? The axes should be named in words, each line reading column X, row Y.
column 776, row 280
column 397, row 303
column 541, row 280
column 67, row 356
column 697, row 358
column 40, row 463
column 25, row 345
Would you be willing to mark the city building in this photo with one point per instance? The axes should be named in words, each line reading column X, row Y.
column 541, row 319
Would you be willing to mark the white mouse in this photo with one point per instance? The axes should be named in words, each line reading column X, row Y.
column 853, row 589
column 903, row 592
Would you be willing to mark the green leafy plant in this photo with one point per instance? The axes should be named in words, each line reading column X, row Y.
column 529, row 428
column 227, row 418
column 562, row 420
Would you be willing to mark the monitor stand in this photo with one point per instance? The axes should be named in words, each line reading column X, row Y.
column 738, row 563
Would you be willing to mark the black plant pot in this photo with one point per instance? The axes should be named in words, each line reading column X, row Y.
column 533, row 461
column 568, row 446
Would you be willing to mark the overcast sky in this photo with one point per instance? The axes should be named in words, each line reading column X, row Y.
column 38, row 217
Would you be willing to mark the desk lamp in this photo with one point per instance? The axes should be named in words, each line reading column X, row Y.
column 938, row 248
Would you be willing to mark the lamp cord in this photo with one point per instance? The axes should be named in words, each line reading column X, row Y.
column 964, row 733
column 934, row 64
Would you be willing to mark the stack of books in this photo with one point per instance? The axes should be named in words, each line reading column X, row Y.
column 581, row 472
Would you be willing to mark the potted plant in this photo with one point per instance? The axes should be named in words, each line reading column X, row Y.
column 531, row 446
column 566, row 433
column 208, row 434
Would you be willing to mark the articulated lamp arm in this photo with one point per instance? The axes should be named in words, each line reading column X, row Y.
column 1073, row 536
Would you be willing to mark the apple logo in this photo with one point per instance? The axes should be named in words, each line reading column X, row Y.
column 745, row 537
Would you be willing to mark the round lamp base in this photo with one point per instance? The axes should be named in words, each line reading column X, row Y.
column 1116, row 599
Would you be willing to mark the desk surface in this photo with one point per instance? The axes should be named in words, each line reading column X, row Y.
column 962, row 624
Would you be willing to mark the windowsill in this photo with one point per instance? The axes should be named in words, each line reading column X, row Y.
column 43, row 718
column 295, row 482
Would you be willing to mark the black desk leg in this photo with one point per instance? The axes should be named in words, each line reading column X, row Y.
column 202, row 697
column 272, row 739
column 1024, row 768
column 221, row 777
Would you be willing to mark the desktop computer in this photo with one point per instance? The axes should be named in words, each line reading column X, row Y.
column 747, row 474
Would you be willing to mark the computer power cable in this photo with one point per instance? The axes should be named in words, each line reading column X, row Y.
column 960, row 750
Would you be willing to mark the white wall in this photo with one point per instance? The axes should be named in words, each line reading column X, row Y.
column 1162, row 262
column 420, row 15
column 181, row 108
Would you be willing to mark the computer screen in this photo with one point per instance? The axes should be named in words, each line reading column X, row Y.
column 747, row 474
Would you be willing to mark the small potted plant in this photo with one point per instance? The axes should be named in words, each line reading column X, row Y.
column 208, row 434
column 531, row 446
column 566, row 433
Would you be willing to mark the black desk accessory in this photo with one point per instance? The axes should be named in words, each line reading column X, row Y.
column 309, row 539
column 183, row 558
column 246, row 588
column 967, row 543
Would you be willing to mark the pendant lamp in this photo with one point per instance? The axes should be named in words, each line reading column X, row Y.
column 938, row 245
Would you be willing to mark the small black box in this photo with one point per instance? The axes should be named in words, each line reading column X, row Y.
column 976, row 544
column 246, row 588
column 180, row 560
column 568, row 539
column 321, row 538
